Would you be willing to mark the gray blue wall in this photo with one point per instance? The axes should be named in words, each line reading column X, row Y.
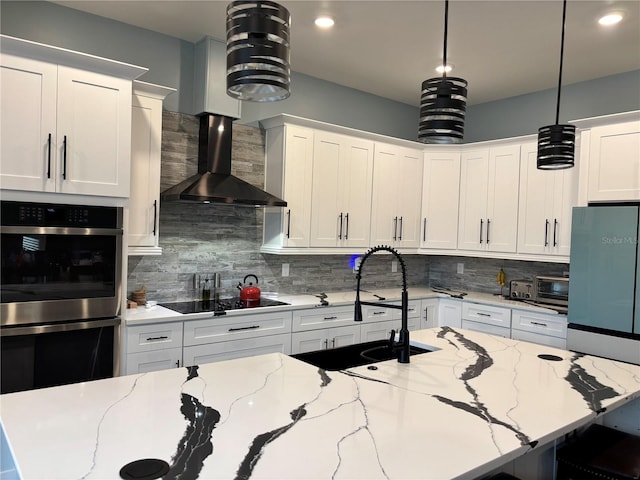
column 170, row 63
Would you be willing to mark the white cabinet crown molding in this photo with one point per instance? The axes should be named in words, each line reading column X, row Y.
column 152, row 90
column 587, row 123
column 70, row 58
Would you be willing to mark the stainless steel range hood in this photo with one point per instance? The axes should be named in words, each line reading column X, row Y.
column 214, row 183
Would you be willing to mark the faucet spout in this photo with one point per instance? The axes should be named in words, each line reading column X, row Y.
column 402, row 346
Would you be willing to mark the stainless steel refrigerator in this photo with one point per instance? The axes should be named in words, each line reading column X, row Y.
column 604, row 290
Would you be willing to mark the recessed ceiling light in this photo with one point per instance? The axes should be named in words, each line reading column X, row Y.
column 324, row 22
column 611, row 18
column 443, row 69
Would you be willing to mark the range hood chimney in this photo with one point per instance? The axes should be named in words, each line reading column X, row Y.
column 214, row 183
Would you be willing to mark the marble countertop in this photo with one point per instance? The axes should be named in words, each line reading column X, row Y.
column 475, row 403
column 157, row 313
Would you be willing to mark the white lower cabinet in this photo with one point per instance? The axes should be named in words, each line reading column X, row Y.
column 429, row 313
column 487, row 319
column 545, row 329
column 224, row 338
column 230, row 349
column 370, row 332
column 154, row 360
column 486, row 328
column 153, row 347
column 326, row 338
column 449, row 313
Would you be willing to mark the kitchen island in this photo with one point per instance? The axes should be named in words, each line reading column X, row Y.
column 474, row 403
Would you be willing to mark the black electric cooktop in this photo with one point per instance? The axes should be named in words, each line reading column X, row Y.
column 219, row 307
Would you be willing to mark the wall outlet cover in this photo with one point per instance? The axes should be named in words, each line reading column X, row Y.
column 460, row 268
column 285, row 269
column 394, row 266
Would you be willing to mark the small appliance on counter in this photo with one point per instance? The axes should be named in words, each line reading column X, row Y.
column 249, row 294
column 521, row 290
column 552, row 291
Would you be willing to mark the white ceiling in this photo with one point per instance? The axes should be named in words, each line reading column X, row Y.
column 387, row 48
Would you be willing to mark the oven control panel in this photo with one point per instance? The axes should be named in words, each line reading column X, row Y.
column 59, row 215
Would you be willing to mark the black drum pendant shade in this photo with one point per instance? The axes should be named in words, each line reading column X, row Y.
column 557, row 143
column 258, row 67
column 443, row 103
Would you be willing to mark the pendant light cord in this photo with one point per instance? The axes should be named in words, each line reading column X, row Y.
column 564, row 16
column 446, row 23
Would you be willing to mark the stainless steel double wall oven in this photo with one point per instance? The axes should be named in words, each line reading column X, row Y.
column 60, row 293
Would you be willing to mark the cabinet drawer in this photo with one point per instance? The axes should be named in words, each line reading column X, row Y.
column 144, row 338
column 381, row 330
column 222, row 329
column 325, row 317
column 143, row 362
column 540, row 339
column 379, row 314
column 237, row 348
column 413, row 309
column 491, row 329
column 490, row 315
column 553, row 325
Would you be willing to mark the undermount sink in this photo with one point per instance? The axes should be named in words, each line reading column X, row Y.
column 353, row 355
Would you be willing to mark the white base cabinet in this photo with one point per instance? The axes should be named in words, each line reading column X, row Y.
column 326, row 338
column 449, row 313
column 539, row 328
column 230, row 349
column 155, row 360
column 153, row 347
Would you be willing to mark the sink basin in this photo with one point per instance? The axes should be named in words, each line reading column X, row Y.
column 352, row 355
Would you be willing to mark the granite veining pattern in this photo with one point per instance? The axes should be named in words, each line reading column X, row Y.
column 476, row 402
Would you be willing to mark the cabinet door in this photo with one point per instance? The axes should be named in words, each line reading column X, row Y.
column 153, row 361
column 537, row 191
column 384, row 216
column 409, row 194
column 474, row 168
column 144, row 200
column 429, row 316
column 327, row 217
column 614, row 162
column 356, row 180
column 94, row 133
column 343, row 336
column 449, row 314
column 27, row 124
column 370, row 332
column 501, row 227
column 249, row 347
column 440, row 200
column 310, row 341
column 298, row 163
column 564, row 199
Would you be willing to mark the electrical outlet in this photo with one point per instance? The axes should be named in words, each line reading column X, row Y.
column 460, row 268
column 285, row 269
column 394, row 266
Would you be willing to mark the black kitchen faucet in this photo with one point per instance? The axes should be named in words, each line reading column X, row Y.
column 402, row 346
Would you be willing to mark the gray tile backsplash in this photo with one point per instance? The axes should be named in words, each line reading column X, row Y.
column 198, row 239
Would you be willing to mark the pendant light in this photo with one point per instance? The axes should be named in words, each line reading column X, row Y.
column 556, row 143
column 443, row 103
column 258, row 47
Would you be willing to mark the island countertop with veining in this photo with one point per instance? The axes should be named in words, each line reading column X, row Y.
column 473, row 404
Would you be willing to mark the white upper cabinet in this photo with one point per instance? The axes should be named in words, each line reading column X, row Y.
column 397, row 192
column 488, row 218
column 28, row 124
column 65, row 128
column 341, row 191
column 614, row 162
column 546, row 200
column 440, row 200
column 288, row 174
column 146, row 141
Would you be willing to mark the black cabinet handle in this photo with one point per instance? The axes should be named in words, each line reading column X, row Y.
column 155, row 216
column 424, row 229
column 480, row 314
column 400, row 237
column 481, row 223
column 330, row 318
column 546, row 232
column 378, row 313
column 151, row 339
column 333, row 343
column 178, row 364
column 395, row 228
column 288, row 223
column 326, row 343
column 64, row 158
column 346, row 232
column 252, row 327
column 340, row 234
column 555, row 227
column 49, row 157
column 538, row 323
column 488, row 226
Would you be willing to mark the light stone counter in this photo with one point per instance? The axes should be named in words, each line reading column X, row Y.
column 157, row 314
column 477, row 402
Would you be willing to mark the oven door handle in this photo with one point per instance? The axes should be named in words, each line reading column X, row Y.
column 58, row 327
column 29, row 230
